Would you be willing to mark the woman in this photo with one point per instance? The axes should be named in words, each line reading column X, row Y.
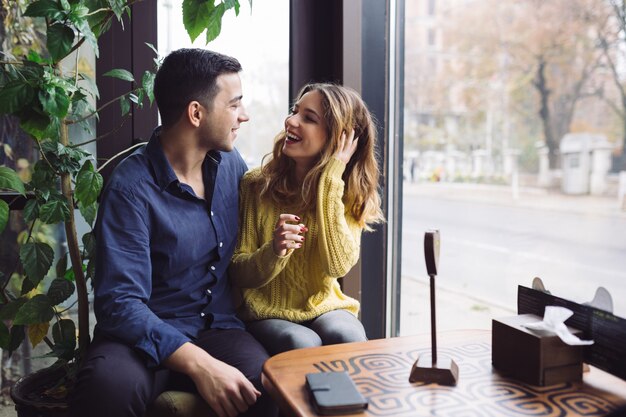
column 301, row 215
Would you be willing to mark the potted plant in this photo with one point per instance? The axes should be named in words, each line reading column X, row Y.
column 48, row 98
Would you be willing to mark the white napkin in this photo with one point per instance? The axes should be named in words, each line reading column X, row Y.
column 554, row 323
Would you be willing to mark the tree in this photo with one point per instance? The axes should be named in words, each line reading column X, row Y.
column 511, row 46
column 611, row 32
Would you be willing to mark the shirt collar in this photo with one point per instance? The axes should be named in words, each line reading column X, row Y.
column 162, row 169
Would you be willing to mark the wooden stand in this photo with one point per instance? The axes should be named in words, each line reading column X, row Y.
column 443, row 372
column 431, row 369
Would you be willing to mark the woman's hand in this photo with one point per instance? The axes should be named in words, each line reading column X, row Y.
column 347, row 147
column 286, row 235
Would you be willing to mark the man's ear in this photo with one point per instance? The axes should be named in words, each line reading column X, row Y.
column 195, row 113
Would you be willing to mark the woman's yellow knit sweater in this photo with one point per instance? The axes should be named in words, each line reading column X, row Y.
column 303, row 284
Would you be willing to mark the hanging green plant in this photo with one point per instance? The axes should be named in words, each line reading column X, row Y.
column 47, row 94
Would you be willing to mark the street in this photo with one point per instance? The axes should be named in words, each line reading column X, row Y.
column 489, row 247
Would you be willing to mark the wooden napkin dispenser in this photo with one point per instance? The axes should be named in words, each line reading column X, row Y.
column 533, row 358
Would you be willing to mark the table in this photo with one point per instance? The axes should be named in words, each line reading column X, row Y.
column 380, row 369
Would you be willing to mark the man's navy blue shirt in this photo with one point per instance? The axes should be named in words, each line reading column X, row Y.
column 163, row 253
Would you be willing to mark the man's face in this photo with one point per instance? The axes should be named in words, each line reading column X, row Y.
column 219, row 129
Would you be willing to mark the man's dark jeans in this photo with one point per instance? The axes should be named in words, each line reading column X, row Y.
column 114, row 380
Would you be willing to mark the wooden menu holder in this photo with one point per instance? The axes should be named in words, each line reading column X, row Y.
column 430, row 368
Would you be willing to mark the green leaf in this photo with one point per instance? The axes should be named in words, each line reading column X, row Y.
column 78, row 10
column 65, row 4
column 37, row 259
column 5, row 336
column 88, row 212
column 55, row 101
column 64, row 336
column 44, row 8
column 229, row 4
column 35, row 124
column 118, row 7
column 91, row 269
column 43, row 175
column 9, row 180
column 34, row 56
column 60, row 290
column 55, row 210
column 64, row 331
column 147, row 82
column 14, row 96
column 9, row 310
column 124, row 105
column 63, row 158
column 79, row 17
column 196, row 14
column 31, row 210
column 89, row 245
column 4, row 215
column 61, row 265
column 27, row 286
column 36, row 310
column 153, row 48
column 140, row 96
column 69, row 274
column 17, row 336
column 60, row 40
column 88, row 184
column 122, row 74
column 215, row 23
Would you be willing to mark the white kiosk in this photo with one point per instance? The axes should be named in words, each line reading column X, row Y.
column 586, row 160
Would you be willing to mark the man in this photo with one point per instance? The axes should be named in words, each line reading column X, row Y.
column 166, row 230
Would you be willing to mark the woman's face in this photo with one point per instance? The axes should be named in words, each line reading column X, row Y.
column 306, row 130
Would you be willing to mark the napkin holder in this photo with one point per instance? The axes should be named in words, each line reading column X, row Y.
column 533, row 357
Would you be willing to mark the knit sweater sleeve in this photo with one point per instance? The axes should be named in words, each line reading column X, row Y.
column 339, row 233
column 254, row 263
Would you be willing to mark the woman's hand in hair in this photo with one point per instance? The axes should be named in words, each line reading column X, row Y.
column 347, row 146
column 288, row 236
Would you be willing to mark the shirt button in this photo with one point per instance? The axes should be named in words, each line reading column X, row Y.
column 221, row 244
column 211, row 212
column 212, row 268
column 208, row 291
column 202, row 314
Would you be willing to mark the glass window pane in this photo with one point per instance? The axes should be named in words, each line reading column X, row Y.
column 513, row 143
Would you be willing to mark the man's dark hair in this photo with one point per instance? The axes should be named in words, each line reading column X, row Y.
column 187, row 75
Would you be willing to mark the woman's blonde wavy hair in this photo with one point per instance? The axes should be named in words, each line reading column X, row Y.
column 343, row 110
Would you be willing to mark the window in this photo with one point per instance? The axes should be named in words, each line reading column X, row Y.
column 482, row 160
column 432, row 37
column 431, row 7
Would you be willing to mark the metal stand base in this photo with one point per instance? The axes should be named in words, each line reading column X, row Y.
column 443, row 372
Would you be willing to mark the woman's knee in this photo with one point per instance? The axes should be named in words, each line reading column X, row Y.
column 339, row 326
column 299, row 338
column 280, row 335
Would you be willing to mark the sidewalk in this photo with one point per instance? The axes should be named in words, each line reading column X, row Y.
column 537, row 198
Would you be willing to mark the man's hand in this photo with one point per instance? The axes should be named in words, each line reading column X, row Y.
column 227, row 391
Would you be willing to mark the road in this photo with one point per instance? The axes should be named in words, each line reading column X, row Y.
column 488, row 249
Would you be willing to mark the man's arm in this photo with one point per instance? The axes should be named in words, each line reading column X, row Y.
column 123, row 283
column 227, row 391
